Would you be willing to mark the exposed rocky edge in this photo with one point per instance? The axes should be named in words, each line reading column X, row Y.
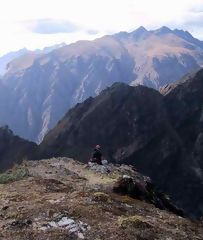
column 14, row 149
column 141, row 188
column 64, row 199
column 161, row 135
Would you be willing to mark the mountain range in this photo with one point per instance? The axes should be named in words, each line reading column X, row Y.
column 38, row 89
column 160, row 133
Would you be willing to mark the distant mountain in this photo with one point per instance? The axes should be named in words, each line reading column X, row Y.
column 40, row 89
column 51, row 48
column 9, row 57
column 160, row 134
column 14, row 149
column 5, row 59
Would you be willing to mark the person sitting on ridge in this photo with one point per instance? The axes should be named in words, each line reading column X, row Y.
column 97, row 155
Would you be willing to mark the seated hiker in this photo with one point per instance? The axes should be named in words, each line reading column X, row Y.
column 97, row 155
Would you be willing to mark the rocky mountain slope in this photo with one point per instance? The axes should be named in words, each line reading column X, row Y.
column 39, row 91
column 14, row 149
column 160, row 134
column 5, row 59
column 64, row 199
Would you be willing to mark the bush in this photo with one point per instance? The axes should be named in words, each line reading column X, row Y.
column 14, row 175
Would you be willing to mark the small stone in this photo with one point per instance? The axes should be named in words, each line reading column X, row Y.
column 43, row 228
column 71, row 226
column 81, row 236
column 55, row 215
column 65, row 221
column 126, row 176
column 53, row 224
column 73, row 230
column 128, row 206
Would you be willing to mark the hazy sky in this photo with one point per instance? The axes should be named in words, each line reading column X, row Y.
column 38, row 23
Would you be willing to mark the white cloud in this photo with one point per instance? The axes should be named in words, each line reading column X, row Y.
column 50, row 26
column 91, row 16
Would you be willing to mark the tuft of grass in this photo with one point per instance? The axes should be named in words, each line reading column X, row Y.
column 13, row 175
column 101, row 197
column 133, row 221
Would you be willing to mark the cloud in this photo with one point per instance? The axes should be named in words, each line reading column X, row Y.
column 50, row 26
column 92, row 32
column 196, row 20
column 191, row 21
column 37, row 23
column 194, row 25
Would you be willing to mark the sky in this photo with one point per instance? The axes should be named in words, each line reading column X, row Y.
column 38, row 23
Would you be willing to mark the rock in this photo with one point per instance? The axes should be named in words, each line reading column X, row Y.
column 126, row 177
column 104, row 162
column 65, row 222
column 80, row 235
column 53, row 224
column 104, row 169
column 141, row 189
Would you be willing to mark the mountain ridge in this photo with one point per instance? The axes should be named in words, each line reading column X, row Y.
column 13, row 149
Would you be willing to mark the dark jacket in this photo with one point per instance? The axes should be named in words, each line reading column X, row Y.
column 97, row 156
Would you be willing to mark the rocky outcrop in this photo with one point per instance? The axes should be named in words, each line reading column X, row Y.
column 13, row 149
column 40, row 89
column 143, row 189
column 160, row 134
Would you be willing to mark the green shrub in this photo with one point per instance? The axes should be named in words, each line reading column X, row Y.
column 14, row 175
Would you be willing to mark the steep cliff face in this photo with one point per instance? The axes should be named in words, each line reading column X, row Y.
column 41, row 88
column 13, row 149
column 160, row 134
